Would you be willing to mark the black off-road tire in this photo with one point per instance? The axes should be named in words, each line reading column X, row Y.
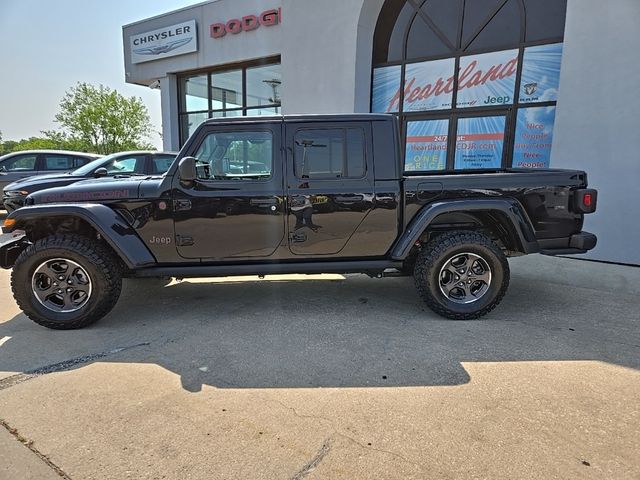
column 99, row 262
column 438, row 252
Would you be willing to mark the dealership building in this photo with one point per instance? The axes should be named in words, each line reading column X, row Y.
column 477, row 84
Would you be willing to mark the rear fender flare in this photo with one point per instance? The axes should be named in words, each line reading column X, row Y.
column 113, row 228
column 512, row 209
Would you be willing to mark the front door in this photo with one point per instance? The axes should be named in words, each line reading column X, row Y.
column 330, row 184
column 17, row 167
column 234, row 210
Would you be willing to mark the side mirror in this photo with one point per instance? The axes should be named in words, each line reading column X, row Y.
column 101, row 172
column 187, row 169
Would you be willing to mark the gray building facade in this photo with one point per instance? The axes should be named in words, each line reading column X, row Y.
column 537, row 82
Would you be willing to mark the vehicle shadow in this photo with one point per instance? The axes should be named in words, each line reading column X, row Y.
column 351, row 332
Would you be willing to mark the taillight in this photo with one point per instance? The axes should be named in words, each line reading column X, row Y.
column 585, row 200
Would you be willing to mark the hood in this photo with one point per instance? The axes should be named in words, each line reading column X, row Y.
column 39, row 182
column 101, row 190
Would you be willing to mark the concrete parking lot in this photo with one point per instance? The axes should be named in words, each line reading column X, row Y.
column 330, row 377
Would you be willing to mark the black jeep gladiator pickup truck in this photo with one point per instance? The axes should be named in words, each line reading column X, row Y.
column 293, row 194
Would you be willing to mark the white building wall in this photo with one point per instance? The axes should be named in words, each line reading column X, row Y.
column 326, row 58
column 597, row 119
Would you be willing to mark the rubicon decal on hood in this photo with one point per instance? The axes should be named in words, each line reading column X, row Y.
column 84, row 196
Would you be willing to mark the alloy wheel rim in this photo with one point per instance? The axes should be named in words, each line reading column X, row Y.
column 61, row 285
column 465, row 278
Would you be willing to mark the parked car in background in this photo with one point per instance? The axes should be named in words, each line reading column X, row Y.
column 17, row 165
column 117, row 164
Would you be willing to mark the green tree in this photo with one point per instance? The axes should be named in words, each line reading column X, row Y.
column 49, row 141
column 103, row 121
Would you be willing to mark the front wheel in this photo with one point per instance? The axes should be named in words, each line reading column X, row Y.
column 66, row 281
column 462, row 275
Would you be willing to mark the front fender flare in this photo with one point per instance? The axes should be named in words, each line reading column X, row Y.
column 113, row 228
column 509, row 207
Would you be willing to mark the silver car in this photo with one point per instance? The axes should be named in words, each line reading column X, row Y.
column 17, row 165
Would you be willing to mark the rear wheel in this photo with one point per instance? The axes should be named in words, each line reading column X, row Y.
column 462, row 275
column 66, row 281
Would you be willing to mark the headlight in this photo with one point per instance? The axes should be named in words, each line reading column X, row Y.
column 16, row 193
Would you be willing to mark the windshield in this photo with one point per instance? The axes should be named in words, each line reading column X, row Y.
column 115, row 163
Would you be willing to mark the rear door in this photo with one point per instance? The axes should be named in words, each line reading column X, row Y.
column 330, row 184
column 234, row 209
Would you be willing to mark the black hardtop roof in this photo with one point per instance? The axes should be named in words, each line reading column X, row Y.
column 336, row 117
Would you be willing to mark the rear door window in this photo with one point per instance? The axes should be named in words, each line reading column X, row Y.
column 81, row 161
column 329, row 153
column 58, row 162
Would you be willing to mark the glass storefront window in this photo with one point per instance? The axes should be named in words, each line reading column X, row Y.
column 264, row 86
column 189, row 123
column 426, row 146
column 429, row 85
column 254, row 89
column 226, row 113
column 534, row 136
column 438, row 63
column 195, row 93
column 479, row 143
column 487, row 80
column 226, row 90
column 262, row 112
column 386, row 89
column 540, row 73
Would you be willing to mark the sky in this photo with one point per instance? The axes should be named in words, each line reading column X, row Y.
column 47, row 46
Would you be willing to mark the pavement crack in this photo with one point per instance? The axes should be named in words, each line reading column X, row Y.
column 14, row 380
column 315, row 461
column 336, row 432
column 380, row 450
column 30, row 445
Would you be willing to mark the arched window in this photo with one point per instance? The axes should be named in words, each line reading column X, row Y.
column 474, row 81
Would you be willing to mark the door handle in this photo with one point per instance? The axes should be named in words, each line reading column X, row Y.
column 181, row 205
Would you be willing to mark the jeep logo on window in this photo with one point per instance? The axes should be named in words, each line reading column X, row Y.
column 234, row 26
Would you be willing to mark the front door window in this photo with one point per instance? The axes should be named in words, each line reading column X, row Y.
column 236, row 156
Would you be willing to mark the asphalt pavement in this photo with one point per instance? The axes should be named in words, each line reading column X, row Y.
column 330, row 377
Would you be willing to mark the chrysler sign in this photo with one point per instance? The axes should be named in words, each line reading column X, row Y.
column 164, row 42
